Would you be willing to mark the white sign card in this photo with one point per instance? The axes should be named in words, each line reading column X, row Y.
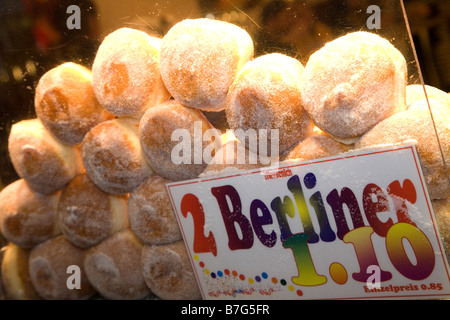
column 355, row 226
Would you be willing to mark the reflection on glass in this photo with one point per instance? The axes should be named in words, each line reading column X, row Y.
column 34, row 36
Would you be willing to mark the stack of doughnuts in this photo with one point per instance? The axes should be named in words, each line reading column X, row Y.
column 90, row 215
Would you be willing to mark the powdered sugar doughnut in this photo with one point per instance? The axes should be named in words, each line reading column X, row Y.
column 126, row 74
column 415, row 92
column 352, row 83
column 318, row 145
column 113, row 267
column 113, row 158
column 45, row 163
column 266, row 95
column 172, row 140
column 200, row 58
column 416, row 124
column 27, row 217
column 150, row 212
column 168, row 272
column 56, row 271
column 15, row 275
column 66, row 104
column 87, row 215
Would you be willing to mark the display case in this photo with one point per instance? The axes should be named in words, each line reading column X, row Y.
column 204, row 149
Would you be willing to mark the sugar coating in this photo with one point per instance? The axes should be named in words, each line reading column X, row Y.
column 266, row 94
column 352, row 83
column 85, row 213
column 416, row 124
column 415, row 92
column 200, row 58
column 113, row 267
column 167, row 132
column 48, row 265
column 27, row 217
column 44, row 162
column 66, row 104
column 168, row 272
column 126, row 74
column 150, row 212
column 113, row 158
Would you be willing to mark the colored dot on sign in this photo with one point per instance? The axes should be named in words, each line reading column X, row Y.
column 299, row 293
column 310, row 180
column 206, row 271
column 283, row 282
column 234, row 273
column 219, row 273
column 196, row 257
column 258, row 279
column 227, row 272
column 264, row 275
column 201, row 264
column 338, row 273
column 250, row 280
column 242, row 277
column 213, row 275
column 291, row 288
column 275, row 280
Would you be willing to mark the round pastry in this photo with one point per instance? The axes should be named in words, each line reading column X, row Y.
column 45, row 163
column 126, row 74
column 57, row 272
column 86, row 215
column 415, row 124
column 113, row 158
column 318, row 145
column 113, row 267
column 232, row 156
column 66, row 104
column 27, row 217
column 415, row 92
column 150, row 212
column 266, row 95
column 172, row 140
column 352, row 83
column 168, row 272
column 442, row 213
column 200, row 59
column 15, row 275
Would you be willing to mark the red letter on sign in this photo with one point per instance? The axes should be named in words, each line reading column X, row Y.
column 374, row 202
column 399, row 196
column 191, row 204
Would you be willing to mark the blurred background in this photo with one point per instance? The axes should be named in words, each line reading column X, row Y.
column 37, row 35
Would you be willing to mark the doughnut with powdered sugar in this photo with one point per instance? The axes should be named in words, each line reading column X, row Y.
column 126, row 73
column 200, row 59
column 113, row 158
column 66, row 104
column 27, row 217
column 87, row 215
column 352, row 83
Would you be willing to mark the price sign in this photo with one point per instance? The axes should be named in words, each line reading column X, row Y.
column 358, row 225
